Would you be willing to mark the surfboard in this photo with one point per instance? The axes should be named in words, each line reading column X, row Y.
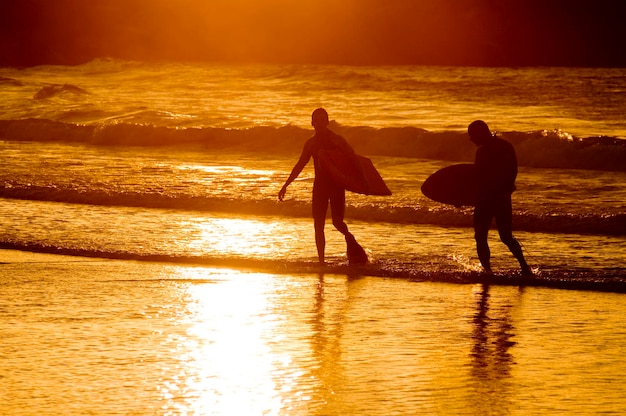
column 454, row 185
column 343, row 170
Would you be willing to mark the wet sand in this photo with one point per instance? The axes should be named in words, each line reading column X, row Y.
column 100, row 336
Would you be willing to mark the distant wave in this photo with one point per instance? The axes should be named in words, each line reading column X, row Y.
column 542, row 149
column 10, row 82
column 605, row 280
column 602, row 224
column 50, row 91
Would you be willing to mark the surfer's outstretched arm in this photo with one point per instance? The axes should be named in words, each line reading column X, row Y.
column 300, row 164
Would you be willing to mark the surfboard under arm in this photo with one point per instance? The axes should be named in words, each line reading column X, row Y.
column 362, row 178
column 453, row 185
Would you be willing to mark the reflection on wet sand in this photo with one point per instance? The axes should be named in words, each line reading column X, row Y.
column 491, row 360
column 326, row 334
column 330, row 313
column 338, row 344
column 148, row 338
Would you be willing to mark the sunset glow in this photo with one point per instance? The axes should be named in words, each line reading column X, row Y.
column 474, row 32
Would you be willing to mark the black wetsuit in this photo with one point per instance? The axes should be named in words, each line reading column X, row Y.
column 496, row 166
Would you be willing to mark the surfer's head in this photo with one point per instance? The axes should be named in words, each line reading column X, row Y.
column 319, row 118
column 479, row 132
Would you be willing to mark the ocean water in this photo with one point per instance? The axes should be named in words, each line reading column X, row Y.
column 179, row 165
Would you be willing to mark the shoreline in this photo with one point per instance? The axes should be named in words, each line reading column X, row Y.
column 611, row 280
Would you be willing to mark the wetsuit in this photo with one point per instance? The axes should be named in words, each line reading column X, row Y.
column 496, row 166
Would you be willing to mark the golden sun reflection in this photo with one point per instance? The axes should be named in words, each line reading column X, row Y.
column 231, row 172
column 234, row 236
column 229, row 355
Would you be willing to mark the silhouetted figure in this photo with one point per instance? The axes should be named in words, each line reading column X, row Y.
column 496, row 167
column 325, row 190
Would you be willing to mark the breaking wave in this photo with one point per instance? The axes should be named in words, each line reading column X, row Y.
column 540, row 149
column 50, row 91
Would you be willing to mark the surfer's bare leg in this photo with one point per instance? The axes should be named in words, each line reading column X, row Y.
column 338, row 211
column 482, row 220
column 504, row 221
column 320, row 239
column 355, row 253
column 320, row 208
column 516, row 249
column 483, row 251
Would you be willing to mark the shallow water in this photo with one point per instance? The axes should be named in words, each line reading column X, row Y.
column 119, row 337
column 565, row 200
column 171, row 235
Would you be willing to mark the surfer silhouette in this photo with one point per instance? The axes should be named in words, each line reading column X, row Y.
column 325, row 189
column 496, row 169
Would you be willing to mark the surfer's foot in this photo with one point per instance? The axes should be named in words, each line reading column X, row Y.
column 527, row 271
column 356, row 253
column 352, row 262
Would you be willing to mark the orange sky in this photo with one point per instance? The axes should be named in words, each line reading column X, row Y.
column 465, row 32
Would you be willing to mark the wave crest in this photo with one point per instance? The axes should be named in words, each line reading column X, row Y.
column 50, row 91
column 542, row 149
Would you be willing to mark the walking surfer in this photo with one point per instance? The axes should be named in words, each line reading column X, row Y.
column 325, row 189
column 496, row 169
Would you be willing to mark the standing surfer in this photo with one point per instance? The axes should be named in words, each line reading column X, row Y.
column 496, row 168
column 325, row 189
